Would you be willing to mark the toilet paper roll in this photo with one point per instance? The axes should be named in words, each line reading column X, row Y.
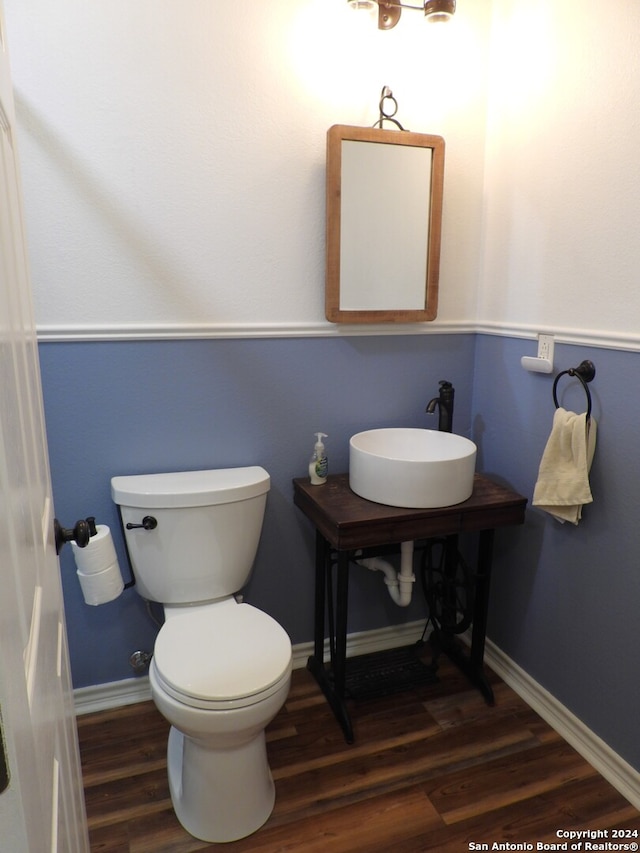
column 98, row 555
column 101, row 587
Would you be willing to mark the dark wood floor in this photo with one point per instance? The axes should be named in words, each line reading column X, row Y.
column 431, row 769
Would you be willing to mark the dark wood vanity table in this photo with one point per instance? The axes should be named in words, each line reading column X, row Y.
column 346, row 524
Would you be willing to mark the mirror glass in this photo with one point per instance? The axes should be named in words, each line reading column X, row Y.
column 384, row 211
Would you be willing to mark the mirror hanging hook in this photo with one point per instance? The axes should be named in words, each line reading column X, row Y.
column 387, row 95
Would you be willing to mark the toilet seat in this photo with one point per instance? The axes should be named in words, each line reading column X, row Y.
column 222, row 656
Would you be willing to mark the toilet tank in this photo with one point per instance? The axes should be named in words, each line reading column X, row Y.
column 207, row 532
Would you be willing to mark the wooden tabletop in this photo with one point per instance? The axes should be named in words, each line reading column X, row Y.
column 348, row 521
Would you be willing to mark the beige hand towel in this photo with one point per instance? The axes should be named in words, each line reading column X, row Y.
column 563, row 478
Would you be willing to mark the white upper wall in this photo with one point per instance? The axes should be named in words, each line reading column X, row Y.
column 561, row 246
column 173, row 153
column 173, row 158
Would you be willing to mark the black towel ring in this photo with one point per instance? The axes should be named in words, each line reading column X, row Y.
column 585, row 372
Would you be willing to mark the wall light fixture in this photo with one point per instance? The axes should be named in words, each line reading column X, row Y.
column 388, row 11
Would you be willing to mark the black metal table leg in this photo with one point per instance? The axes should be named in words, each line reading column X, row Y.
column 449, row 592
column 342, row 594
column 472, row 664
column 332, row 683
column 480, row 611
column 320, row 600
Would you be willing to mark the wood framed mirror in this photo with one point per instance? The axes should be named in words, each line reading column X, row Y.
column 384, row 223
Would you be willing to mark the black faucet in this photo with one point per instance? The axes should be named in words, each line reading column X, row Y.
column 444, row 402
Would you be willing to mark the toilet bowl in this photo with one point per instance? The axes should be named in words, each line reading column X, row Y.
column 219, row 676
column 221, row 669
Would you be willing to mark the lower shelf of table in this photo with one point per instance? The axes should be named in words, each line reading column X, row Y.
column 387, row 672
column 393, row 671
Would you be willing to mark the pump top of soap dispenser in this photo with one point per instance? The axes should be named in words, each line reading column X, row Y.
column 319, row 446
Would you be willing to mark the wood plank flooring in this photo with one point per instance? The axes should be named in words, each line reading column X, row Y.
column 432, row 769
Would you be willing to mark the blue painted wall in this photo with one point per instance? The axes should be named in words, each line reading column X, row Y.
column 565, row 600
column 127, row 408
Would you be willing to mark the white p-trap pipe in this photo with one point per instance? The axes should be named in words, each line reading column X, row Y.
column 400, row 584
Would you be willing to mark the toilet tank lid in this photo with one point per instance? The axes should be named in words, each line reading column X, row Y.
column 190, row 488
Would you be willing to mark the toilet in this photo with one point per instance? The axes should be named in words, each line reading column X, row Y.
column 221, row 669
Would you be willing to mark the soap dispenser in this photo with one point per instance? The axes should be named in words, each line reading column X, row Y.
column 319, row 464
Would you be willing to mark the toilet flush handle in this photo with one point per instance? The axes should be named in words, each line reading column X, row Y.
column 148, row 523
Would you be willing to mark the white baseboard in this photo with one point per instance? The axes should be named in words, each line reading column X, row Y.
column 593, row 749
column 115, row 694
column 366, row 642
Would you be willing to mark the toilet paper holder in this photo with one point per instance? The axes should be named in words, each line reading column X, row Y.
column 80, row 533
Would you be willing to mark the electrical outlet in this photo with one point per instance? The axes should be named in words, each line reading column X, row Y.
column 545, row 348
column 543, row 362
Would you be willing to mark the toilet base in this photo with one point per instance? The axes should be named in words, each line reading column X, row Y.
column 219, row 795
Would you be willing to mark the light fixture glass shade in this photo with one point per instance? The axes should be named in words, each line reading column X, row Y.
column 370, row 6
column 436, row 11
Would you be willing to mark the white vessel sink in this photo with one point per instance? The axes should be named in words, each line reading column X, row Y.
column 414, row 468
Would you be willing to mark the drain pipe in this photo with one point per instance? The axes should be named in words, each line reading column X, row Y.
column 400, row 584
